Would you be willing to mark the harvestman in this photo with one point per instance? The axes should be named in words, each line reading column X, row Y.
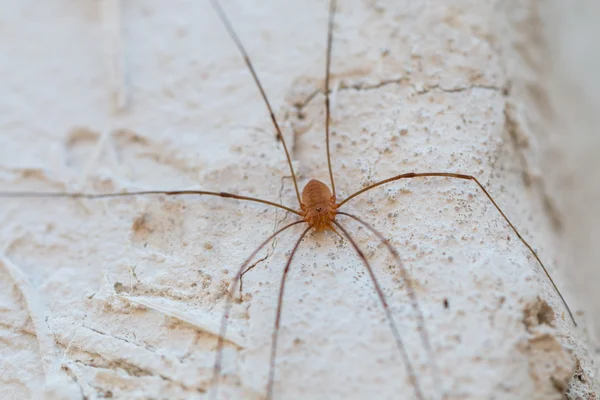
column 318, row 209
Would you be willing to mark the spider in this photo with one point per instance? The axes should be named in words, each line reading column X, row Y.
column 319, row 209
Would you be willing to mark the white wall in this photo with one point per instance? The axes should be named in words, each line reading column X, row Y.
column 102, row 96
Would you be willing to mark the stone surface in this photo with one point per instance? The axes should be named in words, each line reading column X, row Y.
column 122, row 298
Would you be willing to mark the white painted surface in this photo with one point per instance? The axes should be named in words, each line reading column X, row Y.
column 431, row 96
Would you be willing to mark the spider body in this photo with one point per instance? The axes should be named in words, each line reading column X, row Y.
column 318, row 205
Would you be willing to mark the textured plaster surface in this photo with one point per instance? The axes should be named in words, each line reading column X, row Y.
column 122, row 298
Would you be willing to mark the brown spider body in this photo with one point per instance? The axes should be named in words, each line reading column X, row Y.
column 318, row 205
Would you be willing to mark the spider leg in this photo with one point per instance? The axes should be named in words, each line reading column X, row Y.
column 409, row 368
column 453, row 175
column 278, row 316
column 409, row 289
column 81, row 195
column 228, row 304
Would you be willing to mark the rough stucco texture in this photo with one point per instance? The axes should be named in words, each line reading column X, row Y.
column 122, row 298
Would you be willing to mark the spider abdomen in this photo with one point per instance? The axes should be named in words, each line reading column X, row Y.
column 318, row 204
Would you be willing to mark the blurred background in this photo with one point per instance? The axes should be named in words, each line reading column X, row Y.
column 570, row 160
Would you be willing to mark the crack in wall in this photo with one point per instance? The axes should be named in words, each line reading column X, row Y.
column 362, row 86
column 274, row 242
column 512, row 127
column 98, row 361
column 299, row 107
column 141, row 346
column 459, row 89
column 131, row 370
column 73, row 376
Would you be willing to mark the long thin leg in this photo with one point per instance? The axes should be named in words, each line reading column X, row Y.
column 388, row 313
column 223, row 329
column 469, row 178
column 215, row 4
column 409, row 289
column 278, row 316
column 76, row 195
column 332, row 7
